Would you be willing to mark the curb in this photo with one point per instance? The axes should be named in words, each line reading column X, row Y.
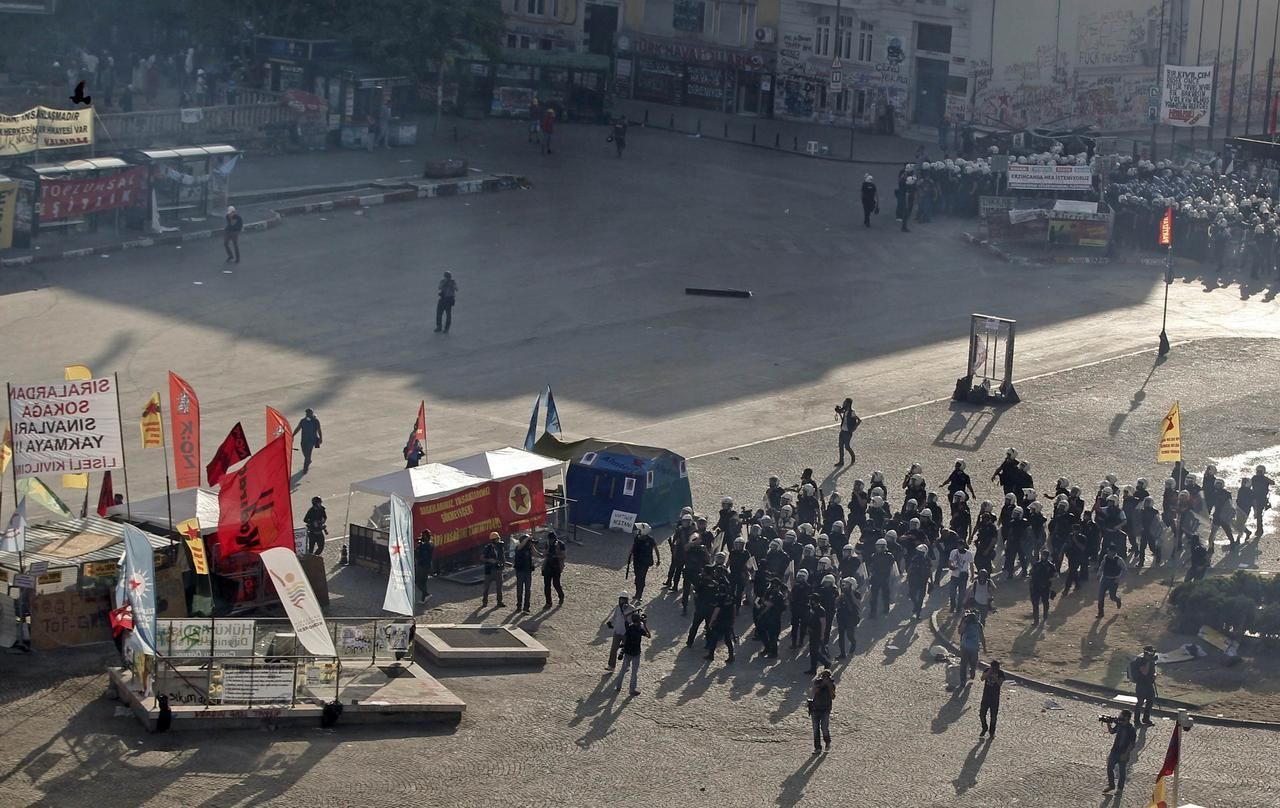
column 778, row 149
column 417, row 190
column 1092, row 698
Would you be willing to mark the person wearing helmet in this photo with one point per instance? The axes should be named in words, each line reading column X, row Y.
column 1244, row 507
column 317, row 522
column 906, row 195
column 739, row 556
column 1017, row 543
column 770, row 606
column 1261, row 485
column 678, row 544
column 773, row 497
column 961, row 515
column 819, row 624
column 808, row 505
column 870, row 199
column 706, row 589
column 1007, row 472
column 919, row 568
column 696, row 559
column 849, row 421
column 959, row 481
column 833, row 513
column 848, row 613
column 617, row 621
column 644, row 554
column 1040, row 584
column 828, row 593
column 495, row 560
column 776, row 560
column 720, row 621
column 881, row 567
column 986, row 539
column 786, row 517
column 1110, row 571
column 838, row 538
column 800, row 593
column 727, row 523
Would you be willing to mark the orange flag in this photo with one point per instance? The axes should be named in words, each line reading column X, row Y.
column 278, row 425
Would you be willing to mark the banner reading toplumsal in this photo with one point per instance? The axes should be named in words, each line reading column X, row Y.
column 65, row 427
column 1187, row 91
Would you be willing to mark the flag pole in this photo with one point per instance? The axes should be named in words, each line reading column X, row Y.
column 124, row 465
column 168, row 492
column 13, row 459
column 1177, row 770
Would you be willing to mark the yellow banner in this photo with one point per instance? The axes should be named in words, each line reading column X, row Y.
column 152, row 424
column 190, row 529
column 1170, row 450
column 8, row 204
column 41, row 128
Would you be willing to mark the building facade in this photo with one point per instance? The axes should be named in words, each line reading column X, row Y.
column 900, row 62
column 718, row 55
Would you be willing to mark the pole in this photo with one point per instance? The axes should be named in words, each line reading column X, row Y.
column 13, row 461
column 124, row 466
column 1231, row 92
column 1199, row 39
column 1164, row 316
column 1160, row 57
column 1184, row 722
column 1217, row 58
column 168, row 492
column 1271, row 68
column 1253, row 61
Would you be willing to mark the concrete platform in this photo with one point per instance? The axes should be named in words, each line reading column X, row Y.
column 399, row 693
column 473, row 643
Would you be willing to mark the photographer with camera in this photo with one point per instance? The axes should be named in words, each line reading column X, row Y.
column 1142, row 670
column 636, row 631
column 619, row 618
column 819, row 705
column 1121, row 749
column 849, row 422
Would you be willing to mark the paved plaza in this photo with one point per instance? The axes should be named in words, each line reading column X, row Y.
column 578, row 283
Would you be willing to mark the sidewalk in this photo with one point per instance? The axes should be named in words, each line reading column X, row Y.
column 780, row 135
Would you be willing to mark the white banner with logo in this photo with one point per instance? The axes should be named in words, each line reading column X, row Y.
column 1050, row 178
column 65, row 427
column 207, row 637
column 298, row 599
column 399, row 597
column 1186, row 95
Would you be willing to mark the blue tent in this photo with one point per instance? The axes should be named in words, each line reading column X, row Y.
column 605, row 476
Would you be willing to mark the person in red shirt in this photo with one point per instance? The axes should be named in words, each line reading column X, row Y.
column 548, row 129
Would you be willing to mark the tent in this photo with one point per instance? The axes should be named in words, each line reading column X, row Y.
column 507, row 462
column 606, row 476
column 421, row 483
column 189, row 503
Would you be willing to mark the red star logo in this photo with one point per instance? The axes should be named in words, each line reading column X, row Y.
column 519, row 499
column 395, row 550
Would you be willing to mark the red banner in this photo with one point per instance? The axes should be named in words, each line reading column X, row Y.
column 234, row 448
column 1166, row 228
column 278, row 425
column 106, row 495
column 62, row 199
column 463, row 520
column 254, row 508
column 184, row 421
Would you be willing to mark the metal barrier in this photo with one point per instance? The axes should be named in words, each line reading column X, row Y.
column 260, row 661
column 139, row 129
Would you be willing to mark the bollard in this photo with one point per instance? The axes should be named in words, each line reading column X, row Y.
column 673, row 121
column 726, row 130
column 699, row 126
column 343, row 559
column 795, row 144
column 753, row 133
column 777, row 140
column 646, row 116
column 455, row 134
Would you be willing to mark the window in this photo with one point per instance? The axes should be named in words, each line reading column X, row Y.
column 822, row 96
column 684, row 469
column 525, row 43
column 535, row 6
column 958, row 85
column 859, row 102
column 747, row 25
column 629, row 487
column 688, row 15
column 512, row 41
column 822, row 37
column 842, row 101
column 844, row 48
column 588, row 458
column 648, row 479
column 545, row 44
column 936, row 38
column 866, row 38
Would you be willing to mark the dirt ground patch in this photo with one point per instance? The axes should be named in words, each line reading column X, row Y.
column 1072, row 646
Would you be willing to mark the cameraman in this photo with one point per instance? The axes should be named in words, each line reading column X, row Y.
column 632, row 639
column 849, row 421
column 1121, row 749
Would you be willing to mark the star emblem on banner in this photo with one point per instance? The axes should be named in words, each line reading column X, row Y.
column 137, row 584
column 519, row 499
column 395, row 550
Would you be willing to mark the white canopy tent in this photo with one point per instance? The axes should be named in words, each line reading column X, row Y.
column 507, row 462
column 424, row 482
column 189, row 503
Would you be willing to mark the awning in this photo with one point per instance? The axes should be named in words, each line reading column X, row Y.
column 189, row 503
column 75, row 541
column 573, row 61
column 424, row 482
column 505, row 463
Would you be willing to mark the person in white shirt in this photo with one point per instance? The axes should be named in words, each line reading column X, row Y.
column 618, row 619
column 960, row 563
column 983, row 594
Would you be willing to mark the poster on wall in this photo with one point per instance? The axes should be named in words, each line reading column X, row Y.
column 65, row 427
column 64, row 198
column 1186, row 96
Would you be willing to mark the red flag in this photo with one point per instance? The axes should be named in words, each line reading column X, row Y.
column 184, row 421
column 1170, row 766
column 234, row 448
column 107, row 496
column 1166, row 228
column 254, row 508
column 278, row 425
column 419, row 432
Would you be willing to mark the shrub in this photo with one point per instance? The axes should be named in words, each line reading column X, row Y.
column 1234, row 604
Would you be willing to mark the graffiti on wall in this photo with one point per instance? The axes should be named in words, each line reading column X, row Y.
column 794, row 53
column 1115, row 38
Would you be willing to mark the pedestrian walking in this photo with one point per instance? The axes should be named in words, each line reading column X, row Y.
column 1261, row 485
column 1244, row 506
column 231, row 234
column 552, row 567
column 848, row 614
column 960, row 562
column 982, row 594
column 618, row 620
column 424, row 553
column 447, row 295
column 720, row 622
column 631, row 643
column 523, row 560
column 972, row 638
column 818, row 622
column 906, row 194
column 821, row 700
column 644, row 554
column 548, row 129
column 413, row 454
column 535, row 120
column 1110, row 571
column 991, row 682
column 919, row 568
column 494, row 562
column 317, row 523
column 312, row 437
column 1040, row 583
column 705, row 597
column 1142, row 671
column 870, row 199
column 1121, row 750
column 849, row 423
column 618, row 137
column 881, row 567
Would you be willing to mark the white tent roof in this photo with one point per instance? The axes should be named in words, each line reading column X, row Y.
column 506, row 463
column 424, row 482
column 198, row 503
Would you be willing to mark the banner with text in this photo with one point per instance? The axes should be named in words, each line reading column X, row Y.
column 459, row 521
column 64, row 198
column 1050, row 178
column 66, row 427
column 254, row 508
column 1186, row 96
column 42, row 128
column 184, row 420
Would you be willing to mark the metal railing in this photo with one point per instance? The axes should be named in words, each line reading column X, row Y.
column 122, row 130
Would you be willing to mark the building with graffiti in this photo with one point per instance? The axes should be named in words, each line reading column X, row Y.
column 718, row 55
column 899, row 63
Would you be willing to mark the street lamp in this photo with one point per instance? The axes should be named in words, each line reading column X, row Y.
column 1166, row 241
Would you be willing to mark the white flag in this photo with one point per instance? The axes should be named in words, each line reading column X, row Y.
column 299, row 601
column 400, row 584
column 140, row 584
column 14, row 537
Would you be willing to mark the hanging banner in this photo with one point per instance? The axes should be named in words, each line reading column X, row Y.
column 1170, row 450
column 254, row 508
column 278, row 425
column 45, row 128
column 233, row 449
column 190, row 530
column 297, row 598
column 67, row 427
column 184, row 421
column 519, row 502
column 1186, row 96
column 1050, row 178
column 459, row 521
column 152, row 425
column 8, row 205
column 400, row 583
column 65, row 198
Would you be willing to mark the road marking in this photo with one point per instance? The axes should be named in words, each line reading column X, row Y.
column 906, row 407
